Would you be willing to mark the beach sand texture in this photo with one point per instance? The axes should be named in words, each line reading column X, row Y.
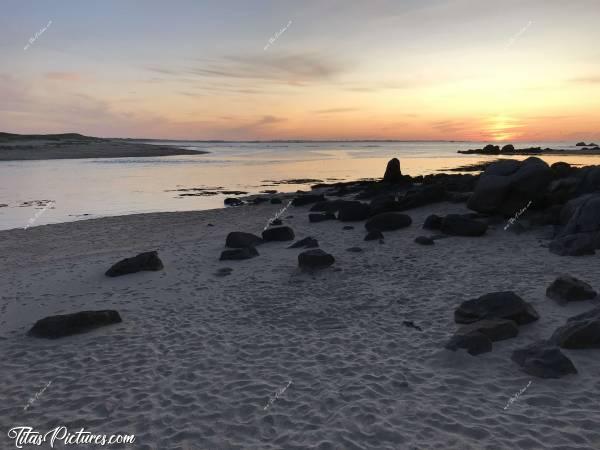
column 198, row 357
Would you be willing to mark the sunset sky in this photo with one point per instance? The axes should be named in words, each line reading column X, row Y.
column 342, row 69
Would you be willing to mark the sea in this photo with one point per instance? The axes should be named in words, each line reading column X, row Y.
column 35, row 193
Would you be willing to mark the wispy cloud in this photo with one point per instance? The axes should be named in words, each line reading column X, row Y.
column 335, row 110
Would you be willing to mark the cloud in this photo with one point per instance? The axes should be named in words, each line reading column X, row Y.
column 335, row 110
column 64, row 76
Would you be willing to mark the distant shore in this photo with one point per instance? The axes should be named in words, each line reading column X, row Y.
column 508, row 150
column 20, row 147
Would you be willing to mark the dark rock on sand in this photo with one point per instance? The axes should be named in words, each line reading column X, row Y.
column 354, row 249
column 578, row 334
column 507, row 186
column 424, row 240
column 278, row 234
column 422, row 196
column 460, row 225
column 569, row 289
column 592, row 314
column 307, row 242
column 67, row 324
column 231, row 201
column 496, row 305
column 276, row 223
column 314, row 218
column 144, row 261
column 475, row 343
column 315, row 259
column 581, row 234
column 388, row 222
column 495, row 329
column 333, row 205
column 374, row 235
column 356, row 212
column 411, row 324
column 392, row 172
column 238, row 254
column 433, row 222
column 543, row 360
column 276, row 201
column 259, row 200
column 223, row 272
column 239, row 239
column 307, row 199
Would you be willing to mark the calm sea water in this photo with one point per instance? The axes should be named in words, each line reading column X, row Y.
column 89, row 188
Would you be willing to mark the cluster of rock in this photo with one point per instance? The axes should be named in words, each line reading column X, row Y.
column 497, row 316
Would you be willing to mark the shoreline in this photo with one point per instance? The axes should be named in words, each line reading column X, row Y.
column 70, row 146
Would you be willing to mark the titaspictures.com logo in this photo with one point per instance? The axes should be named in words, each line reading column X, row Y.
column 29, row 436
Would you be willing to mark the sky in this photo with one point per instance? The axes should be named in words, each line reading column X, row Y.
column 485, row 70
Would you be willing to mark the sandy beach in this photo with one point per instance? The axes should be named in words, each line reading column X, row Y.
column 198, row 356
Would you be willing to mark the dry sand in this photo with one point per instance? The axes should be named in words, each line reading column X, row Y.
column 36, row 149
column 198, row 357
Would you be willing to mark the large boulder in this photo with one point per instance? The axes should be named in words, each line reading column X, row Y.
column 239, row 239
column 392, row 172
column 569, row 289
column 355, row 212
column 315, row 259
column 543, row 360
column 238, row 254
column 506, row 187
column 496, row 305
column 459, row 225
column 433, row 222
column 388, row 222
column 578, row 334
column 581, row 234
column 67, row 324
column 144, row 261
column 278, row 234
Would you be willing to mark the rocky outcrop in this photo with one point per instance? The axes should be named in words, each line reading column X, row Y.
column 68, row 324
column 460, row 225
column 393, row 173
column 496, row 305
column 581, row 234
column 578, row 334
column 144, row 261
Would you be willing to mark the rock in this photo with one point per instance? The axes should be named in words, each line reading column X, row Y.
column 581, row 144
column 315, row 259
column 506, row 186
column 223, row 272
column 569, row 289
column 578, row 334
column 278, row 234
column 238, row 254
column 561, row 169
column 348, row 227
column 333, row 206
column 495, row 329
column 259, row 200
column 496, row 305
column 313, row 218
column 67, row 324
column 411, row 324
column 374, row 235
column 592, row 314
column 388, row 222
column 353, row 213
column 307, row 242
column 392, row 172
column 276, row 223
column 307, row 199
column 508, row 148
column 459, row 225
column 543, row 360
column 276, row 201
column 424, row 240
column 239, row 239
column 475, row 343
column 579, row 244
column 144, row 261
column 354, row 249
column 433, row 222
column 231, row 201
column 421, row 196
